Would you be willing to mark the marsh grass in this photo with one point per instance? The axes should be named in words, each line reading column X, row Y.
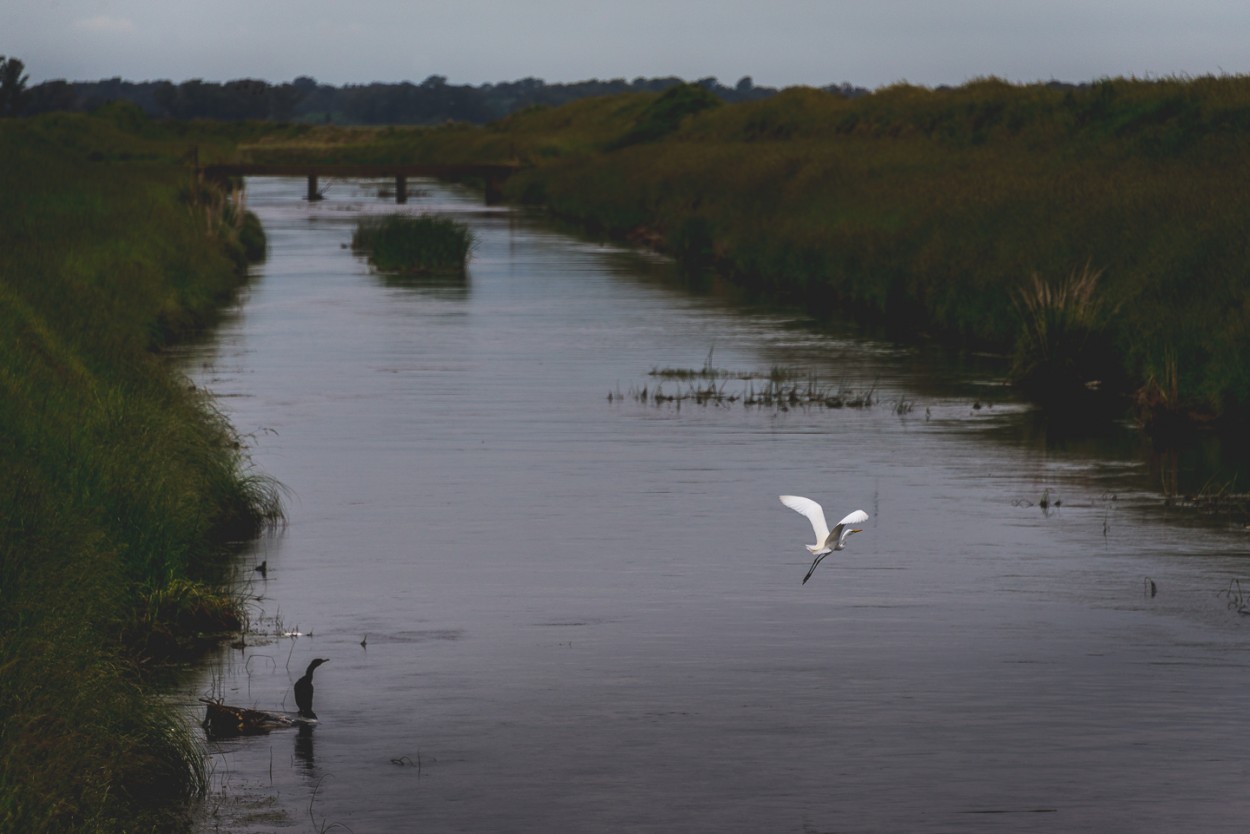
column 406, row 243
column 1214, row 498
column 183, row 616
column 121, row 483
column 1059, row 350
column 779, row 388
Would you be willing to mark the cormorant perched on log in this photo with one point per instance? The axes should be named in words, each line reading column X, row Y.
column 304, row 690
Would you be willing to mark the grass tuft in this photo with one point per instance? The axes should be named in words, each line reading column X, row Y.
column 414, row 243
column 1057, row 353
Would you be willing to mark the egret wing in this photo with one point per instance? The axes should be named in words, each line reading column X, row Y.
column 857, row 517
column 843, row 530
column 813, row 511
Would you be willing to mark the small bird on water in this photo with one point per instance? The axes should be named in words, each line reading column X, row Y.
column 304, row 690
column 827, row 540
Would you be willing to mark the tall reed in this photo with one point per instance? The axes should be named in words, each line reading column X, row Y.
column 1060, row 324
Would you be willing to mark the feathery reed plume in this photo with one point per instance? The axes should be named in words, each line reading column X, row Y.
column 1058, row 321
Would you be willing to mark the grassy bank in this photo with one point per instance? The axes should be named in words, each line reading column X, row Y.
column 1094, row 231
column 121, row 482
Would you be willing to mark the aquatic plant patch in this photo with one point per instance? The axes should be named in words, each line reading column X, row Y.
column 413, row 243
column 778, row 388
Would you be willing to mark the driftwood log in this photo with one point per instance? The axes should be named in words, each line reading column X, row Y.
column 224, row 721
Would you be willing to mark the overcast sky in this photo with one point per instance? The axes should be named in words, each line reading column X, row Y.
column 778, row 43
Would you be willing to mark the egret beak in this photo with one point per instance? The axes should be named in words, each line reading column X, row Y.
column 855, row 530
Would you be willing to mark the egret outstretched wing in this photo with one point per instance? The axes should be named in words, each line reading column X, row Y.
column 815, row 514
column 843, row 529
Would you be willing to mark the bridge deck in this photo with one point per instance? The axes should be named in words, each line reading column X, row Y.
column 493, row 175
column 313, row 169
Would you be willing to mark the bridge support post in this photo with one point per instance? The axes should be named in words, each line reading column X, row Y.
column 401, row 189
column 494, row 190
column 313, row 194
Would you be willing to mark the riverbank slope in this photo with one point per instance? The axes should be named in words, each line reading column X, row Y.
column 121, row 482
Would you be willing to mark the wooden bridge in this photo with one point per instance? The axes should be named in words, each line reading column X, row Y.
column 492, row 175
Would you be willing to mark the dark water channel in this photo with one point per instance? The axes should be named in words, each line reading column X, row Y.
column 585, row 614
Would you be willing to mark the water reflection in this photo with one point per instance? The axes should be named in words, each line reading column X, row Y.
column 304, row 750
column 442, row 286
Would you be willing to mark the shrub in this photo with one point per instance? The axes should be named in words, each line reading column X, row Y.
column 665, row 114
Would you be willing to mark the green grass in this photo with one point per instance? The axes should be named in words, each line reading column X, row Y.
column 413, row 243
column 121, row 481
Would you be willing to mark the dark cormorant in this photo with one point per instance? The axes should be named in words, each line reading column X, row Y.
column 304, row 690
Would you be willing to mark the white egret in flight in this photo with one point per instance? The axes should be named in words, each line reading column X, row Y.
column 827, row 540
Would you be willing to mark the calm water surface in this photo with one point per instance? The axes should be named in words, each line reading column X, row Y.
column 584, row 613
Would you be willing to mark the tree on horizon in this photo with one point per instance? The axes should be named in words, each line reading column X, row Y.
column 12, row 86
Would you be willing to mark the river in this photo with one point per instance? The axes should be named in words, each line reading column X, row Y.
column 550, row 604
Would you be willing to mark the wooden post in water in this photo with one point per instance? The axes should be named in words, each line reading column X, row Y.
column 494, row 190
column 401, row 189
column 313, row 196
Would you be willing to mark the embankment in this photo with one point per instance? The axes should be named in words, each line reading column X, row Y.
column 120, row 481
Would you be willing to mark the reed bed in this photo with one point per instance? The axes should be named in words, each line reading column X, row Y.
column 779, row 388
column 778, row 396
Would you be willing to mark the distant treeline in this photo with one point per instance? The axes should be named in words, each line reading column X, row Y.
column 433, row 101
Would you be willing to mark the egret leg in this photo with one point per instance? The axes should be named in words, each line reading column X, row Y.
column 812, row 569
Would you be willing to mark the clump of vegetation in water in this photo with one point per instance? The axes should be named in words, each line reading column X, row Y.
column 1214, row 499
column 781, row 396
column 780, row 388
column 414, row 243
